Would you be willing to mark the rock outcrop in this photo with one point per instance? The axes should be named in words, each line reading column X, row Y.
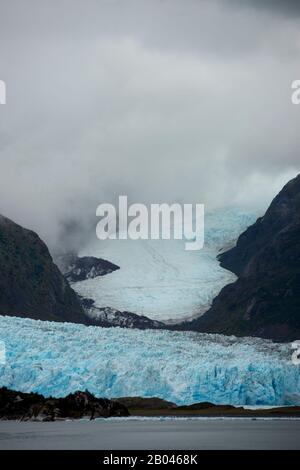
column 77, row 268
column 35, row 407
column 110, row 317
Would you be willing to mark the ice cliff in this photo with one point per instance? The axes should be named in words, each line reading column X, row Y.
column 183, row 367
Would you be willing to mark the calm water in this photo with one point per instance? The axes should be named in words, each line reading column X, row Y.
column 152, row 434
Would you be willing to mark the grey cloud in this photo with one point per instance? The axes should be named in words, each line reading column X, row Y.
column 161, row 100
column 287, row 7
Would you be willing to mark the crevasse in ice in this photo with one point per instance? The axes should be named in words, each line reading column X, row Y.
column 159, row 278
column 59, row 358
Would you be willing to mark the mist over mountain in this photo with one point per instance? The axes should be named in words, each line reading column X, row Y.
column 162, row 101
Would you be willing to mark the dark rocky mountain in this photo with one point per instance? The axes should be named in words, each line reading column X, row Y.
column 31, row 285
column 32, row 406
column 265, row 300
column 77, row 268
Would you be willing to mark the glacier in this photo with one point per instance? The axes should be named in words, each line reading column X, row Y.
column 158, row 278
column 183, row 367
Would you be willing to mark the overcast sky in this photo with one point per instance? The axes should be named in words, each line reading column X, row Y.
column 162, row 100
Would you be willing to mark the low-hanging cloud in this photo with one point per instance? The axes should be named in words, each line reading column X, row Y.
column 156, row 100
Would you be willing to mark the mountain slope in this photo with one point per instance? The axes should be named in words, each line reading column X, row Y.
column 265, row 300
column 31, row 285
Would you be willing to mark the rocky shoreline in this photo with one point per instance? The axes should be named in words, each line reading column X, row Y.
column 34, row 407
column 152, row 407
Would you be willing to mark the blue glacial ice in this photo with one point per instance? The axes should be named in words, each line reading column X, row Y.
column 184, row 367
column 161, row 280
